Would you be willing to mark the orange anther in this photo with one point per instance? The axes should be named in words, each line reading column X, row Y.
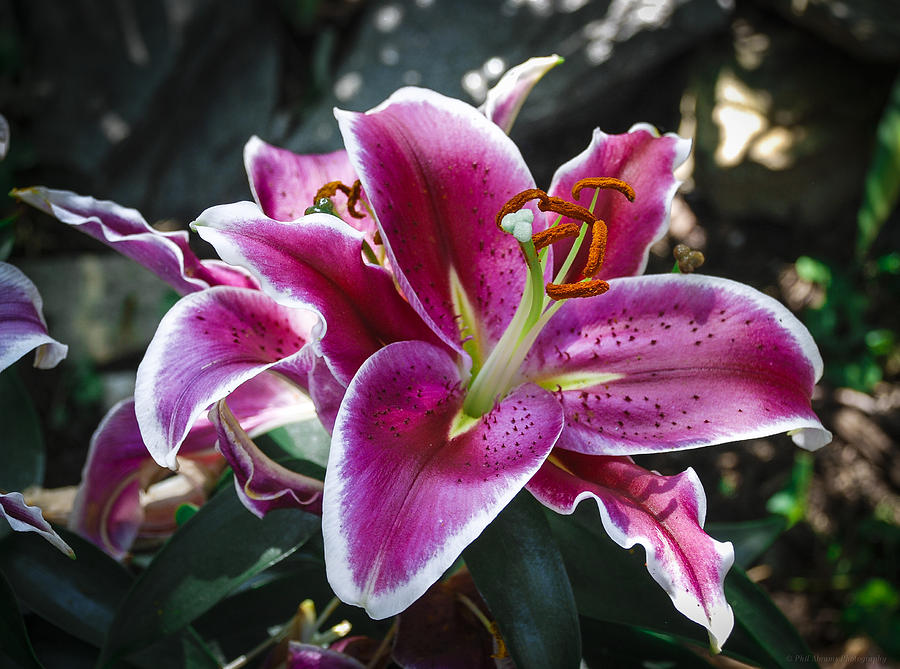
column 603, row 183
column 554, row 234
column 564, row 291
column 352, row 193
column 597, row 249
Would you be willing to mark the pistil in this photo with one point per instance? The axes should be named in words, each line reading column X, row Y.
column 535, row 310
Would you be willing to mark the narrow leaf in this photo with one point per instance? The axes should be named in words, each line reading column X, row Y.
column 882, row 186
column 519, row 571
column 762, row 621
column 15, row 646
column 22, row 455
column 79, row 596
column 215, row 551
column 750, row 538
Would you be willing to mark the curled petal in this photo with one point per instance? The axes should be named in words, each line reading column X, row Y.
column 24, row 518
column 108, row 509
column 285, row 183
column 22, row 324
column 409, row 483
column 261, row 484
column 664, row 514
column 317, row 264
column 643, row 159
column 166, row 254
column 206, row 346
column 669, row 362
column 437, row 172
column 505, row 99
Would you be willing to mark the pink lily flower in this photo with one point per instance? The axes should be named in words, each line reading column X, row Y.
column 486, row 360
column 22, row 329
column 107, row 508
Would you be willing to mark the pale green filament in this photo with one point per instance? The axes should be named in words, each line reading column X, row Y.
column 535, row 310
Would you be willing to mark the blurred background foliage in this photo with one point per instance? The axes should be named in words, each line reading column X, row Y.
column 794, row 107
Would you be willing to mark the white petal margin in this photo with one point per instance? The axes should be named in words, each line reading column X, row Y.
column 22, row 324
column 24, row 518
column 506, row 98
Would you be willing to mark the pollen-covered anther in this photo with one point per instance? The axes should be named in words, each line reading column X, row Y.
column 352, row 192
column 597, row 249
column 554, row 234
column 565, row 291
column 603, row 183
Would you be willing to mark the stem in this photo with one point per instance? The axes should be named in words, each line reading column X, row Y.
column 384, row 644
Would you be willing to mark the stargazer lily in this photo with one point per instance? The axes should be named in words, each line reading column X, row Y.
column 23, row 329
column 536, row 357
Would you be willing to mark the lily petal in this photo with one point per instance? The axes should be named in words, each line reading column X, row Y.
column 261, row 484
column 669, row 362
column 664, row 514
column 206, row 346
column 646, row 161
column 22, row 324
column 285, row 183
column 408, row 485
column 506, row 98
column 316, row 264
column 24, row 518
column 167, row 254
column 437, row 172
column 107, row 508
column 308, row 656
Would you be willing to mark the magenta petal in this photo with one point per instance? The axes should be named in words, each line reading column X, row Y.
column 664, row 514
column 437, row 172
column 261, row 484
column 24, row 518
column 506, row 98
column 285, row 183
column 207, row 345
column 166, row 254
column 22, row 325
column 646, row 161
column 407, row 487
column 317, row 264
column 107, row 508
column 668, row 362
column 308, row 656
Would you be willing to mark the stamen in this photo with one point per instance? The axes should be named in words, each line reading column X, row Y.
column 352, row 193
column 564, row 291
column 603, row 183
column 554, row 234
column 597, row 249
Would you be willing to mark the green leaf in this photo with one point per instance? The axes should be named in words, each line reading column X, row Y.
column 518, row 570
column 219, row 548
column 22, row 455
column 757, row 616
column 612, row 645
column 882, row 186
column 791, row 502
column 751, row 538
column 15, row 646
column 79, row 596
column 612, row 584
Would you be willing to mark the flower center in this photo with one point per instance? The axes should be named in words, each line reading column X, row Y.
column 322, row 200
column 541, row 301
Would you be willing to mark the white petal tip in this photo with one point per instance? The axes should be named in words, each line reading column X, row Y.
column 811, row 438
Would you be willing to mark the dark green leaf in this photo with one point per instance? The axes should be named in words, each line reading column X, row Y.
column 22, row 455
column 222, row 546
column 14, row 644
column 611, row 645
column 751, row 538
column 882, row 186
column 79, row 596
column 762, row 621
column 613, row 585
column 518, row 570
